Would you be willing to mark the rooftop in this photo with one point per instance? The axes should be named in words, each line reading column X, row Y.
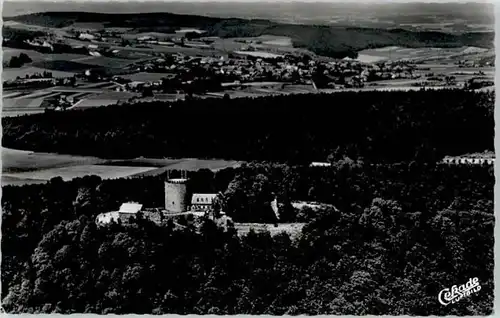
column 130, row 207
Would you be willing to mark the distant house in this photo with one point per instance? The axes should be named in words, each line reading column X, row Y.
column 135, row 84
column 86, row 36
column 202, row 201
column 145, row 38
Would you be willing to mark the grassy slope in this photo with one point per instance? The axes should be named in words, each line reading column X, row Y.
column 322, row 40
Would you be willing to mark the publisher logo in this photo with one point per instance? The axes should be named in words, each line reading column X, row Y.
column 456, row 293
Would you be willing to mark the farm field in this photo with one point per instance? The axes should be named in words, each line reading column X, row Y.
column 419, row 54
column 71, row 172
column 65, row 66
column 104, row 98
column 13, row 73
column 196, row 164
column 151, row 48
column 159, row 35
column 276, row 41
column 14, row 160
column 105, row 61
column 26, row 167
column 258, row 54
column 8, row 53
column 38, row 57
column 22, row 104
column 145, row 76
column 91, row 103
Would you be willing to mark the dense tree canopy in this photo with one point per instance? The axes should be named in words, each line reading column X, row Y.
column 402, row 232
column 377, row 126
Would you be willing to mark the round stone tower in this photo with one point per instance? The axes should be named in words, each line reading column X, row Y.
column 176, row 195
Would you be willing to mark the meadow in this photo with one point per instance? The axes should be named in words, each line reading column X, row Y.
column 258, row 54
column 104, row 99
column 13, row 73
column 14, row 160
column 112, row 62
column 418, row 54
column 146, row 76
column 27, row 167
column 71, row 172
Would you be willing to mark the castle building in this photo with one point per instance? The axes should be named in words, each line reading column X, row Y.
column 202, row 202
column 176, row 202
column 126, row 211
column 176, row 195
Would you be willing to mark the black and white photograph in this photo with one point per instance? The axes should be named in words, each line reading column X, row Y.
column 253, row 157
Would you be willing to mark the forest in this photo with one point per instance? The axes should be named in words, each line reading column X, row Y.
column 380, row 127
column 332, row 41
column 400, row 233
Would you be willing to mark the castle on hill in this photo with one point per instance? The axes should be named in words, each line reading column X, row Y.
column 178, row 202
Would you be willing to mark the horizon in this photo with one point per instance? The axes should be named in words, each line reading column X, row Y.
column 12, row 8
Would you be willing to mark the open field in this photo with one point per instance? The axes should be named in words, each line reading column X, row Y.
column 21, row 104
column 104, row 99
column 278, row 41
column 151, row 48
column 419, row 54
column 37, row 56
column 8, row 53
column 145, row 76
column 14, row 160
column 265, row 43
column 258, row 54
column 25, row 167
column 68, row 173
column 13, row 73
column 91, row 103
column 158, row 35
column 197, row 164
column 63, row 65
column 106, row 61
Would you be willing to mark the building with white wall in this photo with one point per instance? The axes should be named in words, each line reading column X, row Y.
column 126, row 211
